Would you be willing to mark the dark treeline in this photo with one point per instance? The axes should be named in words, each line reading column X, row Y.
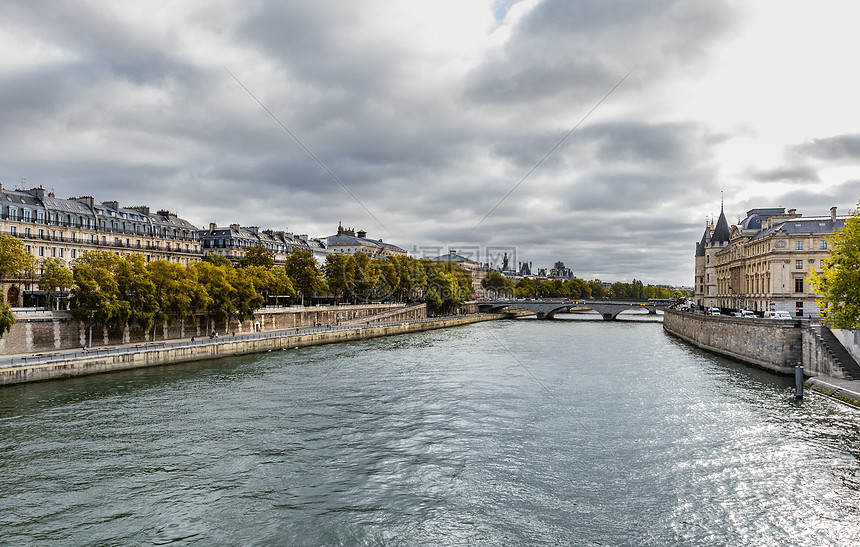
column 574, row 288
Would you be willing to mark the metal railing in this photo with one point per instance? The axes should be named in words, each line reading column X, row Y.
column 288, row 335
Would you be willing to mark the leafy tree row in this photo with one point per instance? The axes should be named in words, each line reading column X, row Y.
column 580, row 288
column 115, row 290
column 358, row 278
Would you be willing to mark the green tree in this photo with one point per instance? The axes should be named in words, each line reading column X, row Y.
column 178, row 291
column 54, row 278
column 838, row 282
column 366, row 277
column 525, row 288
column 597, row 290
column 14, row 260
column 218, row 260
column 389, row 279
column 136, row 292
column 246, row 298
column 412, row 277
column 257, row 255
column 339, row 272
column 214, row 279
column 7, row 318
column 306, row 275
column 95, row 294
column 498, row 284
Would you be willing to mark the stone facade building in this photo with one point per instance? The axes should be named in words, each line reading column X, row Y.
column 233, row 241
column 761, row 264
column 65, row 228
column 348, row 241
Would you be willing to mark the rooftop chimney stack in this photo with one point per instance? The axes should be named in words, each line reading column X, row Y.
column 833, row 213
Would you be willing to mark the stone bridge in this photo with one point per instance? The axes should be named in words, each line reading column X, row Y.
column 547, row 308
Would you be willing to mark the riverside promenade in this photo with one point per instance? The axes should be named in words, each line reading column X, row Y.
column 22, row 368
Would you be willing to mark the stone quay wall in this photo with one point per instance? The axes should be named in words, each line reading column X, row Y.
column 225, row 347
column 772, row 344
column 41, row 331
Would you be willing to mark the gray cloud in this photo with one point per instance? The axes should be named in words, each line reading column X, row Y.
column 123, row 105
column 796, row 173
column 840, row 147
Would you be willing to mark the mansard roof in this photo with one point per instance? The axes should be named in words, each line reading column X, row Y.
column 822, row 226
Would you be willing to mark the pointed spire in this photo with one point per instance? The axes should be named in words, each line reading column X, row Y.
column 721, row 232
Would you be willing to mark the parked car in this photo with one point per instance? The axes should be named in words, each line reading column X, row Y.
column 748, row 313
column 777, row 315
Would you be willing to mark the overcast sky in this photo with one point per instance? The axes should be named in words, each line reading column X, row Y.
column 414, row 120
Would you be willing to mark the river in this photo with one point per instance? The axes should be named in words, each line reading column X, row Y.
column 516, row 432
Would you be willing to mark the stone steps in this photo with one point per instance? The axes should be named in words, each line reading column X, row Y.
column 840, row 354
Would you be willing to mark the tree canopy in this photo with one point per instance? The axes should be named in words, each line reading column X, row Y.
column 838, row 282
column 14, row 258
column 7, row 318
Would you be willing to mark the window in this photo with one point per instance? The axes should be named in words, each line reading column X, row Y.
column 62, row 254
column 13, row 230
column 798, row 264
column 798, row 245
column 74, row 253
column 822, row 245
column 798, row 309
column 41, row 251
column 54, row 252
column 798, row 284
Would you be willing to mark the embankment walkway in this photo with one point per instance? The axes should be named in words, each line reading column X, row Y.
column 16, row 369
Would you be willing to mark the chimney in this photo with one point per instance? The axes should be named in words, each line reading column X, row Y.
column 38, row 192
column 833, row 213
column 361, row 234
column 113, row 205
column 86, row 200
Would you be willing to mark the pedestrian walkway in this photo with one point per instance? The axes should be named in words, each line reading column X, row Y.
column 845, row 390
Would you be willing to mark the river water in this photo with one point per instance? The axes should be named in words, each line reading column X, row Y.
column 518, row 432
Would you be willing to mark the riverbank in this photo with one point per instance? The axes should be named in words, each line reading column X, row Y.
column 40, row 367
column 847, row 391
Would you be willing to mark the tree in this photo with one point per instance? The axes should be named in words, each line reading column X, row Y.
column 411, row 277
column 14, row 260
column 214, row 280
column 365, row 278
column 525, row 288
column 498, row 284
column 838, row 282
column 178, row 292
column 95, row 293
column 389, row 279
column 257, row 256
column 55, row 278
column 305, row 274
column 339, row 271
column 7, row 318
column 136, row 292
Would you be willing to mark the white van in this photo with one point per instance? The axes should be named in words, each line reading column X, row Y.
column 777, row 315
